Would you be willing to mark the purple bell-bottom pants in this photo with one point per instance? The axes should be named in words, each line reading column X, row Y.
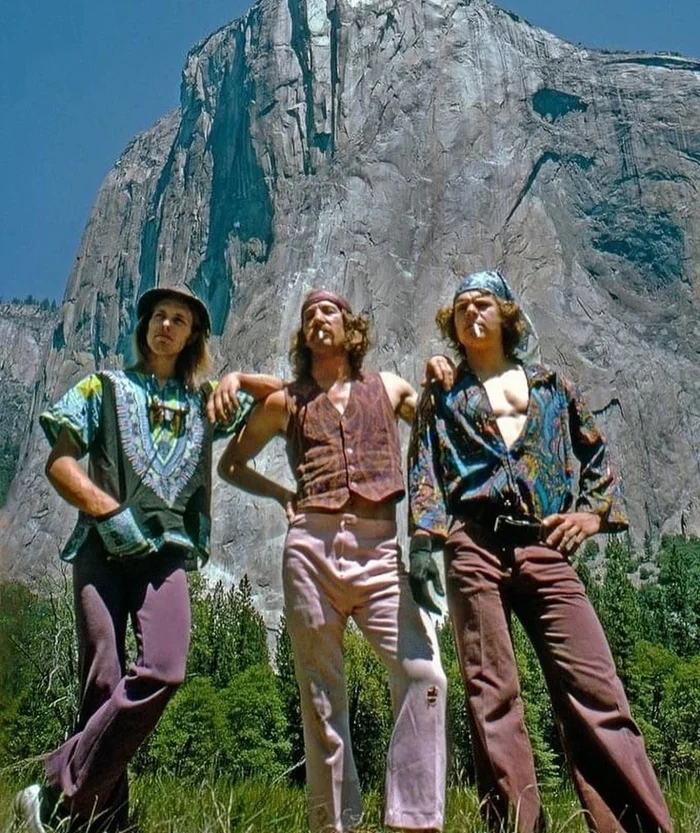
column 119, row 707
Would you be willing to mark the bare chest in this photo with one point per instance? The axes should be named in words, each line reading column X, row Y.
column 339, row 396
column 508, row 395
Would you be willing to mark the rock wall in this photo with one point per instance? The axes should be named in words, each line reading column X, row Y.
column 379, row 150
column 25, row 331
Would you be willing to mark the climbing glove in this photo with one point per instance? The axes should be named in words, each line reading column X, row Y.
column 422, row 571
column 123, row 536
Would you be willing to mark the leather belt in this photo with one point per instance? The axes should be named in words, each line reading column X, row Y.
column 520, row 530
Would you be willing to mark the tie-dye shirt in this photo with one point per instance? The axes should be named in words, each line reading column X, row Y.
column 459, row 463
column 161, row 433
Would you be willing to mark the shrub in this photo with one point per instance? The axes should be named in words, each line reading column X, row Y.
column 680, row 719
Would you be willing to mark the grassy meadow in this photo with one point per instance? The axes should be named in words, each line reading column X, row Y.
column 225, row 754
column 167, row 805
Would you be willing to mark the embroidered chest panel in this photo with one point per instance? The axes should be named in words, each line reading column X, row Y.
column 161, row 437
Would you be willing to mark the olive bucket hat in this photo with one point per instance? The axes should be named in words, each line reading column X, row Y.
column 180, row 293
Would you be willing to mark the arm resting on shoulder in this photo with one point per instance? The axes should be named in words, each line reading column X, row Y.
column 223, row 402
column 440, row 369
column 402, row 396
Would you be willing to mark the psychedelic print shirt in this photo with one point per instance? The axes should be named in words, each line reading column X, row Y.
column 458, row 462
column 162, row 430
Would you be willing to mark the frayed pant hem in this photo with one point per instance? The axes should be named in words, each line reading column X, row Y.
column 414, row 821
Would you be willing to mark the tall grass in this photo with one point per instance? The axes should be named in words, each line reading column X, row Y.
column 170, row 806
column 684, row 803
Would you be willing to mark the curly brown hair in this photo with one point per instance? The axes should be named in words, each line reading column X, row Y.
column 357, row 343
column 194, row 359
column 512, row 328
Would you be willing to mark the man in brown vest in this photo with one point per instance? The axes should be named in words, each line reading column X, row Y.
column 341, row 558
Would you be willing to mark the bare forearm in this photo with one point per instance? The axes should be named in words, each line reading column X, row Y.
column 259, row 385
column 251, row 481
column 71, row 482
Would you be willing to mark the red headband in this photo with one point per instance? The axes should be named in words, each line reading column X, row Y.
column 317, row 295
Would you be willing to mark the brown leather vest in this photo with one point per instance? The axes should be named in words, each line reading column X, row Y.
column 334, row 456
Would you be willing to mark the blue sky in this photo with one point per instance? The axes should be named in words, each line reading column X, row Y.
column 80, row 79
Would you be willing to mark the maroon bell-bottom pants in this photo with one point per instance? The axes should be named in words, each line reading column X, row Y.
column 487, row 580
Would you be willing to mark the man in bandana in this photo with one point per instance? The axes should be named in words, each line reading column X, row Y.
column 341, row 559
column 493, row 478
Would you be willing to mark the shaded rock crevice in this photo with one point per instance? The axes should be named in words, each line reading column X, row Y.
column 240, row 227
column 553, row 104
column 558, row 159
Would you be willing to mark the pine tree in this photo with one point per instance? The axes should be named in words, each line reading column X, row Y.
column 369, row 702
column 291, row 700
column 618, row 605
column 679, row 581
column 228, row 632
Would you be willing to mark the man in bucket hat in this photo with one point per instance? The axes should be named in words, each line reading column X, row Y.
column 492, row 477
column 341, row 558
column 144, row 520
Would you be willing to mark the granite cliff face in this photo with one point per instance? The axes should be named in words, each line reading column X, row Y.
column 378, row 149
column 25, row 330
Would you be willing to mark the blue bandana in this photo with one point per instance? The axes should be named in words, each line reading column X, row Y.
column 493, row 282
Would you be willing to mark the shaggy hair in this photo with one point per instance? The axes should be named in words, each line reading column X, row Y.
column 512, row 328
column 357, row 343
column 193, row 361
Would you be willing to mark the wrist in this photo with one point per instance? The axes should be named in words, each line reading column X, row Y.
column 283, row 497
column 103, row 505
column 420, row 544
column 598, row 522
column 421, row 533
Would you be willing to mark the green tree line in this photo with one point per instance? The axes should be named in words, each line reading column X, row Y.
column 238, row 712
column 45, row 304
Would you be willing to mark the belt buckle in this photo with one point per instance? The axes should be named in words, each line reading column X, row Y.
column 499, row 522
column 523, row 528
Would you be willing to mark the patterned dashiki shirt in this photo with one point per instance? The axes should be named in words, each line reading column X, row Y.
column 162, row 429
column 458, row 461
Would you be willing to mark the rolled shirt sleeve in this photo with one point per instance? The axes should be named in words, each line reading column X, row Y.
column 427, row 506
column 78, row 411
